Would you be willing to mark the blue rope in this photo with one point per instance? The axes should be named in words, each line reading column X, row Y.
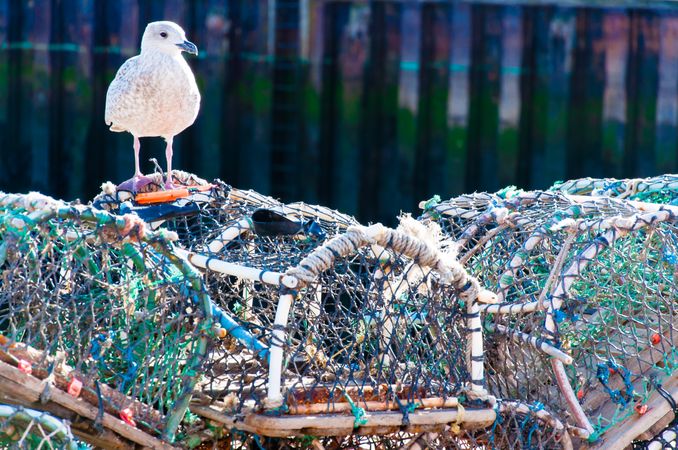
column 538, row 406
column 497, row 421
column 603, row 375
column 258, row 441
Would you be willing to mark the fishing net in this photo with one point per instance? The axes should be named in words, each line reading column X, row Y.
column 660, row 189
column 24, row 428
column 220, row 318
column 99, row 308
column 587, row 288
column 322, row 316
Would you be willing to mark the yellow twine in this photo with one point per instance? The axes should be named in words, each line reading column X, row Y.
column 456, row 426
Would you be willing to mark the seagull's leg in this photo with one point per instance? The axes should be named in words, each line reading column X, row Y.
column 168, row 156
column 139, row 180
column 137, row 147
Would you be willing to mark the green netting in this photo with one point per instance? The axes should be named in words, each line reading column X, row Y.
column 587, row 290
column 660, row 189
column 89, row 296
column 24, row 428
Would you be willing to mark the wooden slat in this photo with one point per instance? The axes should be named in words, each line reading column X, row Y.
column 627, row 431
column 34, row 387
column 14, row 394
column 63, row 374
column 343, row 424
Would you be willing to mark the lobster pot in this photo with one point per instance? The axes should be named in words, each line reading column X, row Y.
column 513, row 241
column 659, row 189
column 371, row 320
column 587, row 285
column 100, row 309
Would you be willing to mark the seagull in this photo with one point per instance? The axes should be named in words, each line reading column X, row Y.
column 154, row 94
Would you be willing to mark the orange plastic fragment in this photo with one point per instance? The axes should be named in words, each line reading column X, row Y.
column 148, row 198
column 25, row 367
column 640, row 409
column 127, row 416
column 74, row 387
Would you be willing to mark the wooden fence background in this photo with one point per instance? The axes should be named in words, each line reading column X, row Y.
column 368, row 107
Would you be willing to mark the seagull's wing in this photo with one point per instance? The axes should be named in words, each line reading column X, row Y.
column 120, row 88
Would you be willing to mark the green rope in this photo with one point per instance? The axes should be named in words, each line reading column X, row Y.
column 430, row 207
column 357, row 411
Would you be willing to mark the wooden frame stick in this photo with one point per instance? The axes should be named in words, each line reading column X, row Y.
column 344, row 407
column 35, row 387
column 343, row 424
column 62, row 374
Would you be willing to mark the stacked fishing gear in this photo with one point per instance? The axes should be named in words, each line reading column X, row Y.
column 215, row 317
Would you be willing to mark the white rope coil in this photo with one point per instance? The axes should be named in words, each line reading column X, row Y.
column 424, row 254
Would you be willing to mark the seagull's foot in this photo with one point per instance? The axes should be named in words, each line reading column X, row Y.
column 135, row 184
column 169, row 183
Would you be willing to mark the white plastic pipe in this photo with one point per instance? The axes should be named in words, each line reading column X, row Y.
column 536, row 343
column 250, row 273
column 229, row 234
column 275, row 397
column 477, row 360
column 512, row 308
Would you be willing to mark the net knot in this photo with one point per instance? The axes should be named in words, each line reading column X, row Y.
column 429, row 206
column 603, row 373
column 357, row 411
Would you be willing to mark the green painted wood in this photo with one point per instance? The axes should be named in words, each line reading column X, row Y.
column 458, row 100
column 379, row 166
column 433, row 96
column 585, row 108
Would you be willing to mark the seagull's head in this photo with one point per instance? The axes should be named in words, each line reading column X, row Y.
column 166, row 37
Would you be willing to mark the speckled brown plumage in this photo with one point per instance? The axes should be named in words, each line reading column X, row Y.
column 153, row 94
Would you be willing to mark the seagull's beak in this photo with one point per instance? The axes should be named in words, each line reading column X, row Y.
column 188, row 47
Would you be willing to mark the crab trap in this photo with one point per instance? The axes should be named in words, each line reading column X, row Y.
column 333, row 327
column 586, row 325
column 214, row 317
column 95, row 307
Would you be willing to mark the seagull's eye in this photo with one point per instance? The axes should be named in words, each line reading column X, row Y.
column 163, row 34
